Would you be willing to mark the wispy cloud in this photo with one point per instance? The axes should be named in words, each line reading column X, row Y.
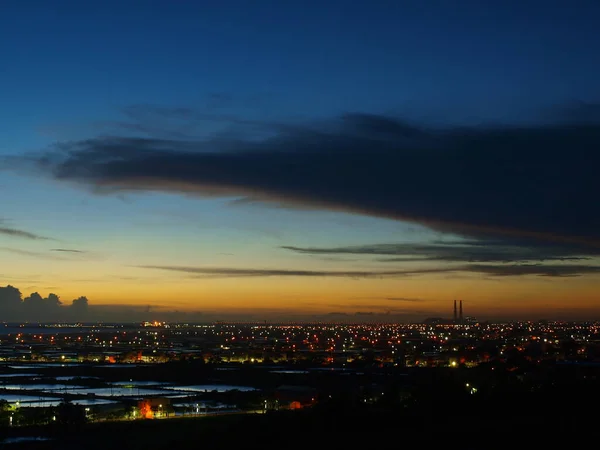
column 237, row 272
column 405, row 299
column 490, row 270
column 67, row 250
column 460, row 251
column 544, row 270
column 14, row 232
column 486, row 257
column 536, row 182
column 33, row 254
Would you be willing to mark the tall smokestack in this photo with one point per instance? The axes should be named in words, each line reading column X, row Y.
column 460, row 312
column 455, row 315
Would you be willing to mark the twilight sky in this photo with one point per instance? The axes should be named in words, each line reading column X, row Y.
column 290, row 160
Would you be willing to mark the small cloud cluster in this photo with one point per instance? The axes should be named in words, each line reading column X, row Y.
column 37, row 308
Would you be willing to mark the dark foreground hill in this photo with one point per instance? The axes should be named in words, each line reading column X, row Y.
column 316, row 429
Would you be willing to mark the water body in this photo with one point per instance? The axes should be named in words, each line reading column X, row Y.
column 71, row 378
column 46, row 403
column 203, row 406
column 118, row 391
column 211, row 388
column 290, row 371
column 114, row 391
column 19, row 375
column 39, row 387
column 13, row 398
column 208, row 412
column 141, row 383
column 19, row 440
column 41, row 365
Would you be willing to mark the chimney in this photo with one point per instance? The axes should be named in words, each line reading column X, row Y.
column 460, row 314
column 455, row 315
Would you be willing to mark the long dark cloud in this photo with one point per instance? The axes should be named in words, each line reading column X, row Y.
column 459, row 251
column 545, row 270
column 535, row 182
column 498, row 270
column 67, row 250
column 237, row 272
column 486, row 257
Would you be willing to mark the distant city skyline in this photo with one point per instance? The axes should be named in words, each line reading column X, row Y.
column 34, row 308
column 278, row 161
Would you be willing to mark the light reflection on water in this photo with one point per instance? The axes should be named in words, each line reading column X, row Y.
column 39, row 387
column 19, row 375
column 18, row 440
column 50, row 394
column 116, row 391
column 48, row 402
column 141, row 383
column 290, row 371
column 40, row 366
column 13, row 398
column 211, row 388
column 74, row 377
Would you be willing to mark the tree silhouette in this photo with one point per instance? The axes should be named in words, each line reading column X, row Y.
column 69, row 415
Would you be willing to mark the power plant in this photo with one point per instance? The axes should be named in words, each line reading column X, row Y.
column 458, row 316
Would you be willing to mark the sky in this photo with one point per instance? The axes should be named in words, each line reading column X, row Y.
column 299, row 160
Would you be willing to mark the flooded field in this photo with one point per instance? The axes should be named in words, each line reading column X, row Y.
column 211, row 388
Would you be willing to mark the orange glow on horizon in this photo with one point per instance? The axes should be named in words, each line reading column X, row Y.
column 418, row 296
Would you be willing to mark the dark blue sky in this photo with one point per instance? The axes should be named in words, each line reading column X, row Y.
column 68, row 60
column 197, row 74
